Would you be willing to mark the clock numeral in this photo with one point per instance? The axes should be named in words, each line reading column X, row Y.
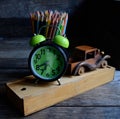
column 38, row 56
column 59, row 60
column 42, row 70
column 58, row 57
column 58, row 68
column 37, row 67
column 42, row 51
column 53, row 72
column 35, row 61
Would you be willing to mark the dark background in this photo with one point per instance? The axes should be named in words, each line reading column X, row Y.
column 91, row 22
column 97, row 23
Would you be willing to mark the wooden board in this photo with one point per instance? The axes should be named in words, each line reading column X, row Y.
column 30, row 97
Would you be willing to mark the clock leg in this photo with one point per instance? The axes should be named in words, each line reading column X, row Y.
column 36, row 81
column 58, row 82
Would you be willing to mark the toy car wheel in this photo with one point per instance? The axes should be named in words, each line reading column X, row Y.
column 81, row 70
column 104, row 64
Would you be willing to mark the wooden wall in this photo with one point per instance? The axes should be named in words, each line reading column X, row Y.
column 92, row 22
column 15, row 14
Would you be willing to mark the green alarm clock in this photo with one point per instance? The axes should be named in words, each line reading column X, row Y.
column 48, row 60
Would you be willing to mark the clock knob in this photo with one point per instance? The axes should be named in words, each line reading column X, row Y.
column 36, row 39
column 62, row 41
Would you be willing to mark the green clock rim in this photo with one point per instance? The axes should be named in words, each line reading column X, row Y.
column 61, row 51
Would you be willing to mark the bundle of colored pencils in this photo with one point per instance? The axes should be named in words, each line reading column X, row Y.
column 49, row 23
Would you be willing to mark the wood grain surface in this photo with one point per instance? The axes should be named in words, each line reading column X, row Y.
column 99, row 103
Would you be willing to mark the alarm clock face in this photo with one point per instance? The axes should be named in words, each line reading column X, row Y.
column 48, row 62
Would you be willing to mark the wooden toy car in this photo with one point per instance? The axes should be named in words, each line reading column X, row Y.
column 86, row 58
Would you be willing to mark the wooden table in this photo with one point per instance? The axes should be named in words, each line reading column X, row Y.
column 102, row 102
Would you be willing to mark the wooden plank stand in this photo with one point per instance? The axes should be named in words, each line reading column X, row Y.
column 31, row 97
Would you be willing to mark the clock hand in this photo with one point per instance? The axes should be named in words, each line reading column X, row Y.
column 45, row 64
